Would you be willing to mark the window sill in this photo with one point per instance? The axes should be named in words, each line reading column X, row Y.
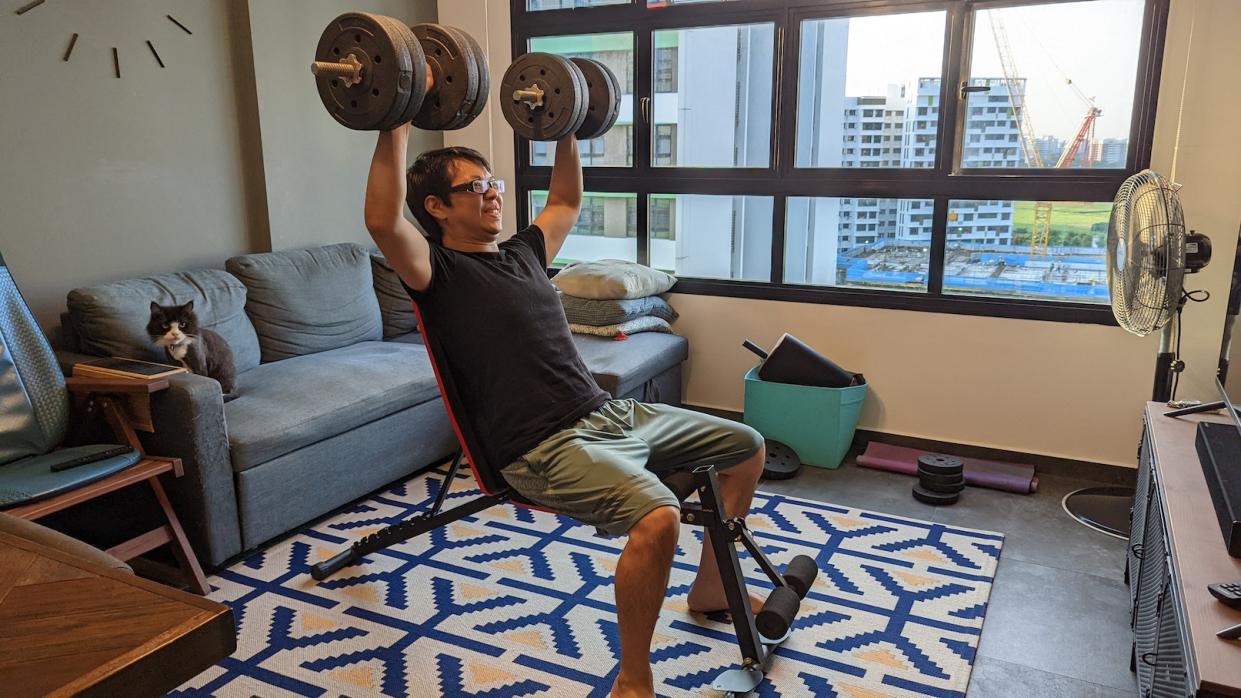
column 1048, row 311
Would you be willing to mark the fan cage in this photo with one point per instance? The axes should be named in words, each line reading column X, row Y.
column 1146, row 253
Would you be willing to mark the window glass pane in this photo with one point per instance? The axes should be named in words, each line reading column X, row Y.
column 606, row 229
column 713, row 96
column 1060, row 83
column 858, row 242
column 989, row 251
column 711, row 237
column 536, row 5
column 861, row 102
column 614, row 148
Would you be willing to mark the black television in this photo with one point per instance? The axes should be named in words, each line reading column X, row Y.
column 1219, row 444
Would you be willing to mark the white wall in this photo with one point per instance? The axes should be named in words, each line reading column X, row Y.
column 1060, row 389
column 315, row 168
column 103, row 178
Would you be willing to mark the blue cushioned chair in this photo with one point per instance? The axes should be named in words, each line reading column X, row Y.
column 34, row 420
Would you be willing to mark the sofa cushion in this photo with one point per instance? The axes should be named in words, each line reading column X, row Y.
column 394, row 303
column 619, row 367
column 607, row 279
column 285, row 405
column 307, row 301
column 110, row 319
column 409, row 338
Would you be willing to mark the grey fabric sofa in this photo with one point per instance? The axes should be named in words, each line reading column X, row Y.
column 336, row 394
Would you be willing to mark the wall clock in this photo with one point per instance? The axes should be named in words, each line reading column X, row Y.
column 116, row 55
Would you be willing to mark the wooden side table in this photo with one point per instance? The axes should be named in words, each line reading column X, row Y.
column 69, row 627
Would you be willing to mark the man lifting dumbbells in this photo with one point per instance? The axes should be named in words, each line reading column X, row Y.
column 561, row 442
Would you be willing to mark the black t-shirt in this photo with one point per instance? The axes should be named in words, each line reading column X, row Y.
column 505, row 343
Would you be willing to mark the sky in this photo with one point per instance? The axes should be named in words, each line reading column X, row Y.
column 1093, row 43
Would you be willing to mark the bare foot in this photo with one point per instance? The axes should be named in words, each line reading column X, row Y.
column 704, row 603
column 624, row 688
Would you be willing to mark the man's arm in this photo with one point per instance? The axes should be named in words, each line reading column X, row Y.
column 564, row 198
column 405, row 248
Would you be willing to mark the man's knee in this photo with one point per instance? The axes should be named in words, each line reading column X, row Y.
column 660, row 527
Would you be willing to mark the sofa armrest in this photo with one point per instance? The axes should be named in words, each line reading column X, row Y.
column 67, row 359
column 124, row 386
column 189, row 424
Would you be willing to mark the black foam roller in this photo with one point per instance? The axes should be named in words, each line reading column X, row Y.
column 778, row 613
column 800, row 574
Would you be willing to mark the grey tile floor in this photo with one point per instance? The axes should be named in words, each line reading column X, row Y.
column 1058, row 620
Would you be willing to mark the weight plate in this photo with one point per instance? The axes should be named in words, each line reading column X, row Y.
column 781, row 463
column 939, row 464
column 563, row 102
column 934, row 498
column 583, row 93
column 604, row 99
column 942, row 487
column 418, row 61
column 387, row 71
column 941, row 480
column 470, row 57
column 455, row 76
column 484, row 82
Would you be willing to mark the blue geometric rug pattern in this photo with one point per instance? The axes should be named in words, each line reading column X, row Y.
column 513, row 602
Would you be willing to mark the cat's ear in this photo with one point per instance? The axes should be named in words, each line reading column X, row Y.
column 155, row 307
column 188, row 306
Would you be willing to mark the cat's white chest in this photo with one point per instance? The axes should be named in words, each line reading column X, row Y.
column 178, row 351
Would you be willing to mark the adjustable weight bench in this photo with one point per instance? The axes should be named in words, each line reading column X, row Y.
column 757, row 635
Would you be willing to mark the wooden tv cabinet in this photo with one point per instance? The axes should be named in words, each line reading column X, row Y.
column 1176, row 550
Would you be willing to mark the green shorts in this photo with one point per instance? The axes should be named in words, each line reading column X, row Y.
column 604, row 470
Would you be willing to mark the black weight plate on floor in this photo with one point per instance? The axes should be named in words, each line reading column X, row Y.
column 387, row 71
column 939, row 464
column 942, row 487
column 781, row 463
column 418, row 62
column 561, row 101
column 484, row 83
column 455, row 76
column 934, row 498
column 937, row 479
column 603, row 101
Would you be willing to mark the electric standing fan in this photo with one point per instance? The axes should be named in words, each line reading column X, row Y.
column 1148, row 254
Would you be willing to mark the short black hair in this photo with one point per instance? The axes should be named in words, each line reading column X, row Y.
column 431, row 175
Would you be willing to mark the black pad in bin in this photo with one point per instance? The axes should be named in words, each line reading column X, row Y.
column 793, row 361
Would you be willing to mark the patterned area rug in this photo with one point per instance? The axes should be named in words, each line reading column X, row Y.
column 519, row 603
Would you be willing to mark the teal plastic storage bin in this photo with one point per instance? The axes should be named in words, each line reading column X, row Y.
column 818, row 423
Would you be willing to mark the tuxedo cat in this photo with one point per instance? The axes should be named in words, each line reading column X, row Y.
column 201, row 351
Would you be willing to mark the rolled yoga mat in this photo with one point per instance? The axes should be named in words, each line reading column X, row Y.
column 1009, row 477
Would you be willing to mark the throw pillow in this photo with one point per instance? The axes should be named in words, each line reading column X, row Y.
column 584, row 311
column 642, row 324
column 611, row 279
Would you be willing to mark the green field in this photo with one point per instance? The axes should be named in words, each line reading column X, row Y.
column 1072, row 223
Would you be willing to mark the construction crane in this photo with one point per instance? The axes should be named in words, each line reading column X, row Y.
column 1041, row 231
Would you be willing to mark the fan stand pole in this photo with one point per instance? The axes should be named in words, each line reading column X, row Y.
column 1106, row 509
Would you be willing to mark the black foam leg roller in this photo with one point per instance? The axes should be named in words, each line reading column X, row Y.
column 800, row 574
column 778, row 613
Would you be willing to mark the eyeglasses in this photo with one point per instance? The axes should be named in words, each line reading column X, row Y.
column 480, row 186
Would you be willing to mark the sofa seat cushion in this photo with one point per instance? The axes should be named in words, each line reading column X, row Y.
column 620, row 367
column 285, row 405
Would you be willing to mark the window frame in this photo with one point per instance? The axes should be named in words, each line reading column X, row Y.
column 781, row 179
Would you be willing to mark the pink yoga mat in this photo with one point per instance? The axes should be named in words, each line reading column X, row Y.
column 1010, row 477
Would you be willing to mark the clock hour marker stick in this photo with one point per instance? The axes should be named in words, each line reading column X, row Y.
column 116, row 62
column 174, row 21
column 155, row 53
column 73, row 41
column 29, row 6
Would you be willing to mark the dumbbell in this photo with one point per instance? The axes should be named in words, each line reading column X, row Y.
column 546, row 97
column 375, row 73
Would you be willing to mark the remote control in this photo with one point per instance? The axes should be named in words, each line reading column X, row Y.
column 1233, row 633
column 92, row 458
column 1229, row 593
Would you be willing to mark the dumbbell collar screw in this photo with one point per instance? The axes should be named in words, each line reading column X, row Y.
column 348, row 69
column 532, row 96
